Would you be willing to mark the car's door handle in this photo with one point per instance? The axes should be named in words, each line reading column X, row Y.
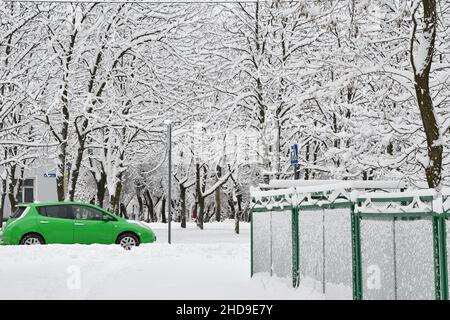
column 79, row 224
column 44, row 222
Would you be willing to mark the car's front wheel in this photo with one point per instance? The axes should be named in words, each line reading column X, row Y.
column 31, row 239
column 128, row 241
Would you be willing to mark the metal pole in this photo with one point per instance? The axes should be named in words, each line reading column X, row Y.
column 394, row 245
column 295, row 248
column 443, row 254
column 323, row 252
column 169, row 179
column 271, row 245
column 356, row 253
column 296, row 172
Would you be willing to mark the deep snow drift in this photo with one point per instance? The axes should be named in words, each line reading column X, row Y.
column 209, row 264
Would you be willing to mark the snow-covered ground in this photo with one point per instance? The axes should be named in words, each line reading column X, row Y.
column 209, row 264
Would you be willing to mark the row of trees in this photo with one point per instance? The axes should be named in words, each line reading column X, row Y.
column 362, row 86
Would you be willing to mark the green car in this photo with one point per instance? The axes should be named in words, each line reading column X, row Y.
column 72, row 222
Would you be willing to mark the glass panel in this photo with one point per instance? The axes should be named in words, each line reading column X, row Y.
column 282, row 244
column 338, row 254
column 261, row 242
column 311, row 248
column 28, row 195
column 377, row 259
column 404, row 270
column 272, row 244
column 86, row 213
column 18, row 212
column 326, row 251
column 42, row 211
column 415, row 268
column 63, row 212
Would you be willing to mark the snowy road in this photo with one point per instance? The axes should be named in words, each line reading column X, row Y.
column 209, row 264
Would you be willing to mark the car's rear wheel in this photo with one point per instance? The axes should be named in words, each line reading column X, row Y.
column 32, row 239
column 128, row 240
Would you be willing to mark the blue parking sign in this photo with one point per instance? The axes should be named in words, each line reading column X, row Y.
column 294, row 154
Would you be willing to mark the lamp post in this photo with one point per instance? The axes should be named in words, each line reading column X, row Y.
column 169, row 178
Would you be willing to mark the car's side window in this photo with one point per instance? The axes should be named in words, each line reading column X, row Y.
column 86, row 213
column 19, row 211
column 62, row 212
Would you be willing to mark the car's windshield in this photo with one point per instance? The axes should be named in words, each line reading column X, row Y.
column 18, row 212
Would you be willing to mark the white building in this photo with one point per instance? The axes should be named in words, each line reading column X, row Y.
column 39, row 184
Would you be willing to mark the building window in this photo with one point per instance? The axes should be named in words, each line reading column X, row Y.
column 26, row 191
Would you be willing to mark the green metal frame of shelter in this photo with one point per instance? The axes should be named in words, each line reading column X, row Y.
column 443, row 248
column 360, row 209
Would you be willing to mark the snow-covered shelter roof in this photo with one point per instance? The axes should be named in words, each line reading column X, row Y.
column 380, row 196
column 409, row 202
column 352, row 184
column 372, row 196
column 311, row 195
column 272, row 198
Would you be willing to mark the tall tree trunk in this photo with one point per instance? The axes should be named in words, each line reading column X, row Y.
column 195, row 210
column 149, row 204
column 19, row 189
column 101, row 189
column 278, row 145
column 424, row 40
column 209, row 209
column 77, row 167
column 201, row 211
column 336, row 142
column 217, row 209
column 123, row 211
column 200, row 198
column 115, row 198
column 307, row 156
column 315, row 158
column 64, row 133
column 246, row 215
column 140, row 205
column 183, row 205
column 236, row 220
column 2, row 202
column 231, row 204
column 239, row 211
column 11, row 186
column 163, row 210
column 61, row 177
